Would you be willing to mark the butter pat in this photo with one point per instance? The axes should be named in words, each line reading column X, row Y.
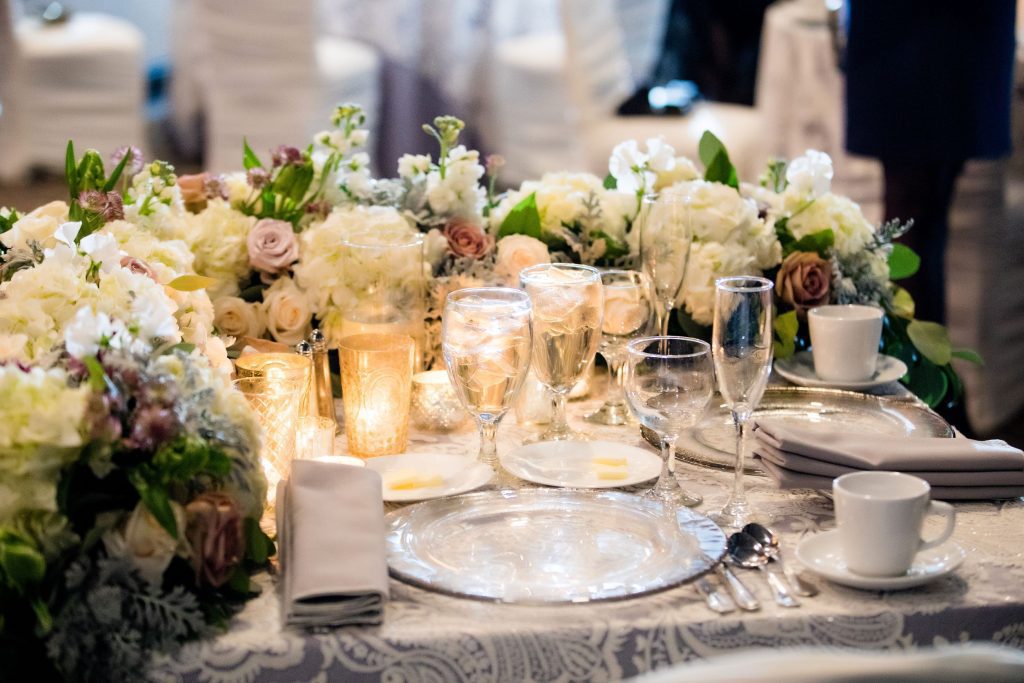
column 406, row 479
column 609, row 461
column 612, row 475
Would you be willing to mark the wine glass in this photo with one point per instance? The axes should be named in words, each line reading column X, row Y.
column 669, row 382
column 665, row 239
column 741, row 340
column 485, row 339
column 627, row 311
column 568, row 304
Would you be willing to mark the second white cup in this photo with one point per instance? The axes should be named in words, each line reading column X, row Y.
column 844, row 341
column 879, row 516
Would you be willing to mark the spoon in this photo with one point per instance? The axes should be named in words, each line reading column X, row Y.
column 747, row 552
column 770, row 542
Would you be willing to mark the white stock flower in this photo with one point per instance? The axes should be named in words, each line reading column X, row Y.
column 103, row 250
column 89, row 332
column 661, row 157
column 810, row 176
column 38, row 226
column 145, row 544
column 459, row 193
column 287, row 312
column 628, row 165
column 412, row 165
column 237, row 318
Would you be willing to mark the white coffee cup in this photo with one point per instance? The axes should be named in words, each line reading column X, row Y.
column 844, row 341
column 879, row 516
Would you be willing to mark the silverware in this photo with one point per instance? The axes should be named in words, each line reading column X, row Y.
column 745, row 600
column 716, row 600
column 744, row 551
column 770, row 542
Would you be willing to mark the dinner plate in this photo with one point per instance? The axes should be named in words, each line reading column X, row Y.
column 546, row 546
column 799, row 369
column 712, row 442
column 822, row 555
column 571, row 464
column 459, row 474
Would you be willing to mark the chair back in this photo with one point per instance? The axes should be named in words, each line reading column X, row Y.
column 643, row 25
column 597, row 64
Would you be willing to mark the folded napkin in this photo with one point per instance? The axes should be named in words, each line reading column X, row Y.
column 330, row 522
column 956, row 469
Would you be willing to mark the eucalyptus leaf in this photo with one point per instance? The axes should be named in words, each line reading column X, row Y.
column 903, row 262
column 932, row 340
column 523, row 219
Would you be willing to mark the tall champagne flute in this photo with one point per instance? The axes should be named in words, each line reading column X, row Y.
column 665, row 238
column 568, row 305
column 741, row 341
column 485, row 339
column 627, row 312
column 669, row 382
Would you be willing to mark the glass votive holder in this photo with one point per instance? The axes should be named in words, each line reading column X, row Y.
column 435, row 405
column 315, row 437
column 376, row 383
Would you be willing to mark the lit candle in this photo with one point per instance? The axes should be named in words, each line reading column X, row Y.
column 435, row 405
column 315, row 437
column 376, row 381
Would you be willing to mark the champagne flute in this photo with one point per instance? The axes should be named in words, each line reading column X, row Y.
column 568, row 304
column 669, row 382
column 742, row 347
column 627, row 311
column 665, row 239
column 485, row 339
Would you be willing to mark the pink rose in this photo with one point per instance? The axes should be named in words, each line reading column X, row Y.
column 467, row 239
column 215, row 537
column 272, row 246
column 804, row 281
column 138, row 266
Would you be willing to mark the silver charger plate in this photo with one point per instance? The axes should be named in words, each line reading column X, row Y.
column 712, row 442
column 544, row 546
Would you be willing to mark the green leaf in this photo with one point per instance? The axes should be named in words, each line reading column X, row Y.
column 258, row 546
column 156, row 500
column 717, row 167
column 249, row 158
column 903, row 262
column 610, row 183
column 97, row 376
column 928, row 382
column 90, row 171
column 932, row 340
column 43, row 616
column 969, row 355
column 785, row 327
column 21, row 563
column 523, row 219
column 191, row 283
column 903, row 303
column 115, row 175
column 820, row 242
column 239, row 581
column 71, row 171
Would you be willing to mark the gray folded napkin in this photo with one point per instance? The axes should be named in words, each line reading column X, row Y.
column 330, row 522
column 957, row 469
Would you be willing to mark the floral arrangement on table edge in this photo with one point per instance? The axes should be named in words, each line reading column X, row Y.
column 130, row 483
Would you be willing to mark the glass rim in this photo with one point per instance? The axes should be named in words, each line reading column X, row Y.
column 516, row 296
column 762, row 284
column 383, row 342
column 528, row 272
column 633, row 347
column 411, row 239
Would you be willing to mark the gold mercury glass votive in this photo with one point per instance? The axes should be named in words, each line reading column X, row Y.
column 376, row 383
column 315, row 437
column 435, row 405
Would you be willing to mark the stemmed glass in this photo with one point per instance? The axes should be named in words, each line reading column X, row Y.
column 485, row 339
column 568, row 304
column 665, row 239
column 742, row 345
column 627, row 311
column 669, row 382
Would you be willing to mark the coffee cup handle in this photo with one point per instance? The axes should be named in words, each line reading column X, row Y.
column 937, row 507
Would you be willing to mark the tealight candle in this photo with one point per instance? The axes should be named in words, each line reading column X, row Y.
column 315, row 437
column 376, row 381
column 435, row 406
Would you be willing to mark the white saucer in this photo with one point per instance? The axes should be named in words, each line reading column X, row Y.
column 821, row 554
column 570, row 463
column 461, row 473
column 799, row 369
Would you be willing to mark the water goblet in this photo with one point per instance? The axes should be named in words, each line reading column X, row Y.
column 669, row 383
column 627, row 312
column 665, row 238
column 742, row 347
column 485, row 339
column 568, row 304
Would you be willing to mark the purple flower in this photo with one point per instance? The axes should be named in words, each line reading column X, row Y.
column 108, row 205
column 494, row 163
column 258, row 178
column 215, row 187
column 284, row 155
column 153, row 425
column 134, row 164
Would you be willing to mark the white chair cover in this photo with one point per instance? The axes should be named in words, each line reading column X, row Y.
column 643, row 25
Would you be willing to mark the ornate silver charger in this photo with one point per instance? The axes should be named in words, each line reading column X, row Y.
column 545, row 546
column 712, row 442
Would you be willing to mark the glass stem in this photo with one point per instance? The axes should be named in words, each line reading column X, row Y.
column 488, row 447
column 664, row 318
column 738, row 495
column 558, row 421
column 616, row 375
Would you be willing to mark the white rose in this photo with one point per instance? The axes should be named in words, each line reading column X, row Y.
column 12, row 346
column 287, row 312
column 146, row 544
column 516, row 252
column 237, row 318
column 810, row 176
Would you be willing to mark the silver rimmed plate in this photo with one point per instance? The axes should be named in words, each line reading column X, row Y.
column 713, row 443
column 544, row 546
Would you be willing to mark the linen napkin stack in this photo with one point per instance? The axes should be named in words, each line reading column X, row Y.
column 956, row 469
column 330, row 525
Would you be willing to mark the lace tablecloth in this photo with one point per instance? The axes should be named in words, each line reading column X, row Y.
column 432, row 637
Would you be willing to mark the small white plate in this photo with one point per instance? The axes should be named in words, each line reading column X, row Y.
column 570, row 463
column 821, row 554
column 799, row 369
column 461, row 473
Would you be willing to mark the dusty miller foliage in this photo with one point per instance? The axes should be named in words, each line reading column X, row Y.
column 113, row 620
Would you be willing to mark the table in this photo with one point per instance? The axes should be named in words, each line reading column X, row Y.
column 428, row 636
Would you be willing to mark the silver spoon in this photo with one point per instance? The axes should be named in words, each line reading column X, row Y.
column 747, row 552
column 745, row 600
column 770, row 542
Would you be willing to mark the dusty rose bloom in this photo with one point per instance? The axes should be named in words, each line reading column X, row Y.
column 272, row 246
column 193, row 191
column 215, row 536
column 466, row 238
column 804, row 281
column 139, row 267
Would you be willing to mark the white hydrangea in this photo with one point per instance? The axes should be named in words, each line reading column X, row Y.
column 217, row 236
column 708, row 262
column 168, row 258
column 853, row 232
